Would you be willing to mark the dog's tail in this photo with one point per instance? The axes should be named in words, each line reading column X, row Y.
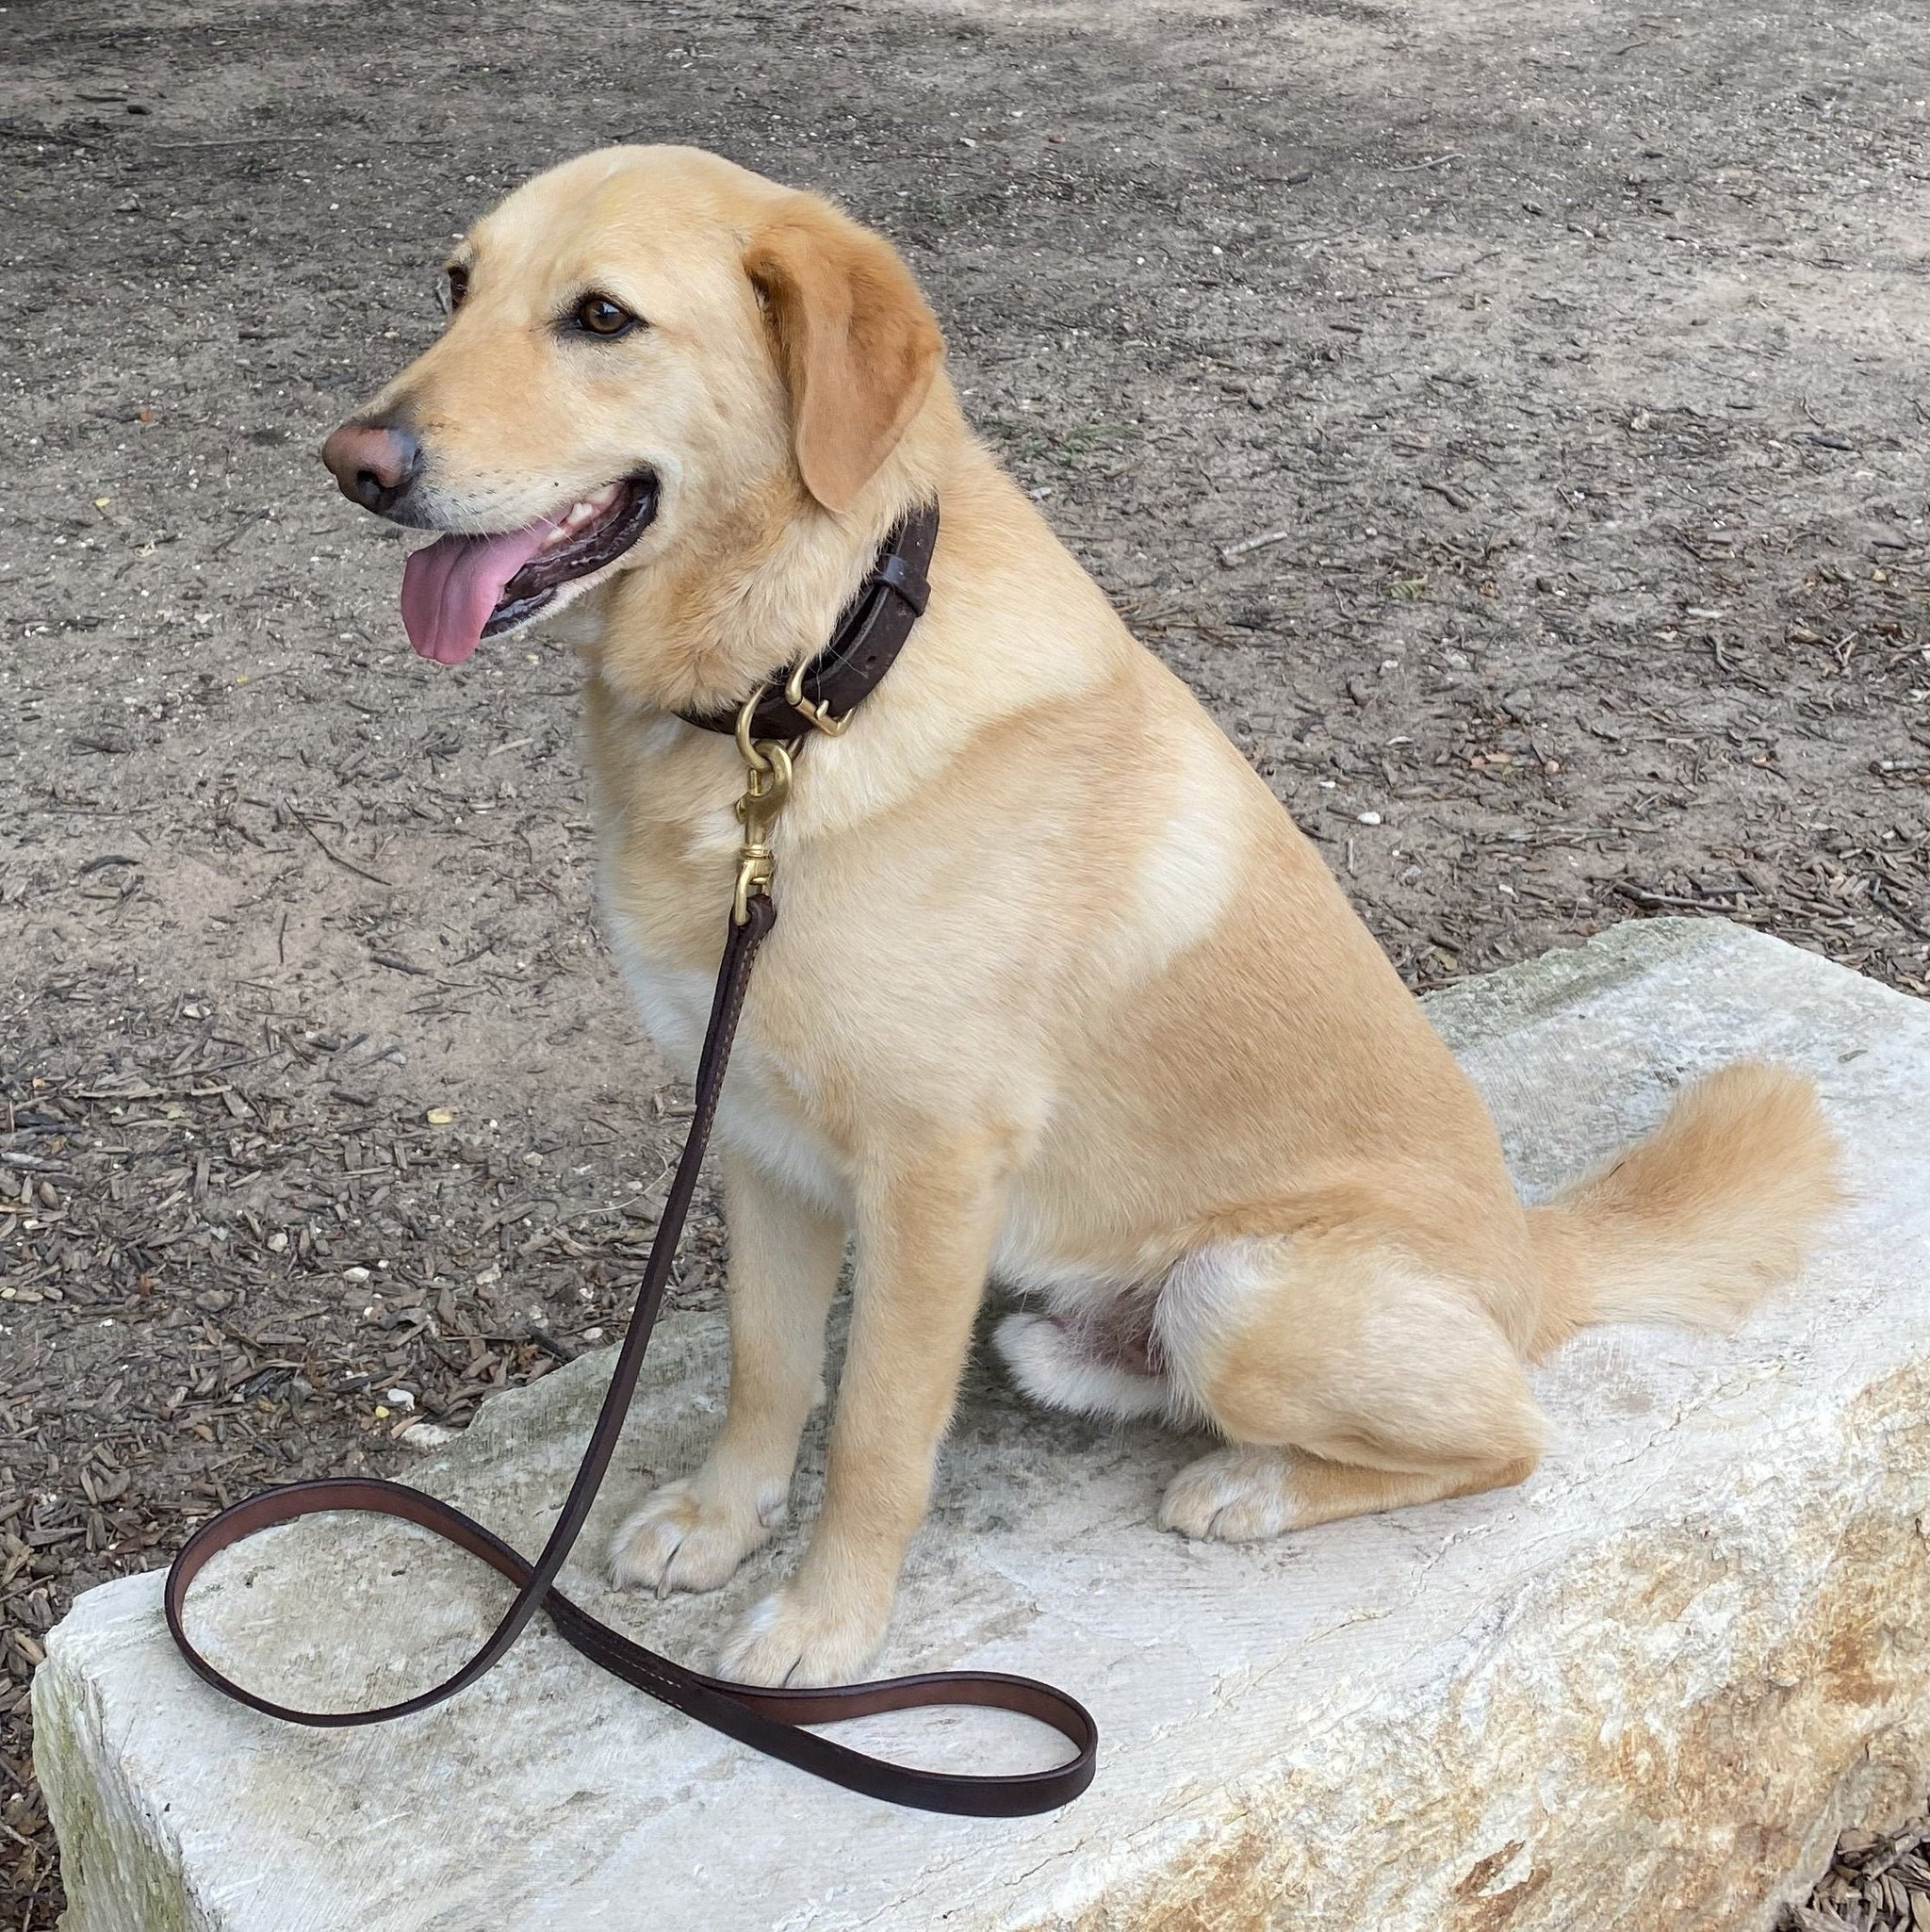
column 1701, row 1219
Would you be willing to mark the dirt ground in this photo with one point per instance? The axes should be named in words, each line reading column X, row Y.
column 1509, row 417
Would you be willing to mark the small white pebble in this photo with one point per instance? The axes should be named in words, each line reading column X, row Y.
column 356, row 1274
column 1371, row 818
column 400, row 1398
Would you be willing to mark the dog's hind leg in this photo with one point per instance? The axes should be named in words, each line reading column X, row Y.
column 784, row 1259
column 1246, row 1492
column 1349, row 1377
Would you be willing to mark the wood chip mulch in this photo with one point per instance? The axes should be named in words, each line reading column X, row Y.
column 223, row 1266
column 1877, row 1882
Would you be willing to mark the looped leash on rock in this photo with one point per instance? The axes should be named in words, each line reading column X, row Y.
column 772, row 1721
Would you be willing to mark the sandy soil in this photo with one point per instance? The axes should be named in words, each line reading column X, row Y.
column 1508, row 418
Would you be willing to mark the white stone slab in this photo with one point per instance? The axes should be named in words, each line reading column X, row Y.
column 1643, row 1689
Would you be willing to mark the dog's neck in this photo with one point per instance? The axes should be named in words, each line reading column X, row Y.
column 759, row 587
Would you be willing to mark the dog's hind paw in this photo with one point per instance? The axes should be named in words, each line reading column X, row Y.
column 685, row 1538
column 1237, row 1495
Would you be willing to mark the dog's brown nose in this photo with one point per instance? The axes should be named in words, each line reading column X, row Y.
column 374, row 464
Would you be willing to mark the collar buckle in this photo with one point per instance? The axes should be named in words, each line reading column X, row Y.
column 818, row 716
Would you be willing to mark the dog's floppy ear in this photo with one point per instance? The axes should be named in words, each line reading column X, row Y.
column 856, row 340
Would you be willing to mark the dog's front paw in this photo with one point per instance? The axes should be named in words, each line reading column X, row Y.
column 788, row 1638
column 686, row 1537
column 1235, row 1495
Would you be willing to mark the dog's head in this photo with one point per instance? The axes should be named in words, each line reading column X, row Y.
column 641, row 343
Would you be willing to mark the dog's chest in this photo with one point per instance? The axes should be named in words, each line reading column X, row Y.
column 761, row 1114
column 673, row 1001
column 665, row 861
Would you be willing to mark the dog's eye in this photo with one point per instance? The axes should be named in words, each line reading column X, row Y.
column 455, row 285
column 597, row 315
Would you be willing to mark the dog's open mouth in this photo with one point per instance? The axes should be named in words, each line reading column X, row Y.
column 462, row 589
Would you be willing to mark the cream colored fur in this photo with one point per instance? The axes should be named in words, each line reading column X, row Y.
column 1057, row 992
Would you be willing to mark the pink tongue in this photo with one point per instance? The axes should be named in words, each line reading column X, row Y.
column 450, row 588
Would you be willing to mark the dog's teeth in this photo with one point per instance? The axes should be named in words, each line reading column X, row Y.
column 585, row 510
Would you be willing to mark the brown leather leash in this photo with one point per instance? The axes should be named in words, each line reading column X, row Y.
column 771, row 1721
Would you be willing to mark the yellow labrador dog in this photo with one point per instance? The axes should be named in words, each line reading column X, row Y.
column 1058, row 996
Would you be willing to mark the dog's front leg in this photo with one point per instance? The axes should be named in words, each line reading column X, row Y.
column 925, row 1239
column 784, row 1259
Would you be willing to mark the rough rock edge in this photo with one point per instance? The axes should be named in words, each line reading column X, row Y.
column 1827, row 1720
column 1515, row 996
column 104, row 1826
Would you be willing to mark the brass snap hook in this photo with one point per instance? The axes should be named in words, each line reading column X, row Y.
column 766, row 789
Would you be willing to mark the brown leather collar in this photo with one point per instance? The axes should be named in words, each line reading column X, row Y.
column 863, row 646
